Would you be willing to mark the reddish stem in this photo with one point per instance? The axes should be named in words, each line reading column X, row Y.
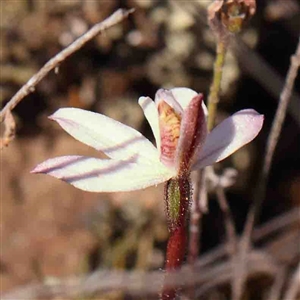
column 175, row 255
column 176, row 248
column 177, row 226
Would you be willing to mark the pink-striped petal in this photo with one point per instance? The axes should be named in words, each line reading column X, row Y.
column 233, row 133
column 108, row 175
column 115, row 139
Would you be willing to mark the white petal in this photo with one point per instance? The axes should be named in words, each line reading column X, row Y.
column 105, row 134
column 184, row 96
column 233, row 133
column 151, row 114
column 108, row 175
column 205, row 109
column 168, row 97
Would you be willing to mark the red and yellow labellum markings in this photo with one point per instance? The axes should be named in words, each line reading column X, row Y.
column 169, row 123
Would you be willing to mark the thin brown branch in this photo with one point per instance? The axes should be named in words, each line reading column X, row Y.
column 260, row 70
column 54, row 62
column 281, row 111
column 229, row 223
column 277, row 286
column 231, row 236
column 293, row 288
column 9, row 130
column 257, row 261
column 270, row 149
column 275, row 225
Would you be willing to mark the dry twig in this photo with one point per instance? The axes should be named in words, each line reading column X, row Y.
column 54, row 62
column 271, row 145
column 231, row 235
column 209, row 271
column 9, row 130
column 229, row 223
column 258, row 262
column 294, row 286
column 140, row 283
column 261, row 71
column 276, row 288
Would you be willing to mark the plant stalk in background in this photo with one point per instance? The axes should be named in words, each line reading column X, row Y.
column 224, row 18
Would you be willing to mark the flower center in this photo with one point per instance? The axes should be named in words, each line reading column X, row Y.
column 169, row 124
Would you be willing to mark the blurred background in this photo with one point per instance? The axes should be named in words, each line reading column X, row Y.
column 51, row 230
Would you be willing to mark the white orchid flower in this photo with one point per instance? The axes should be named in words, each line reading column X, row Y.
column 177, row 118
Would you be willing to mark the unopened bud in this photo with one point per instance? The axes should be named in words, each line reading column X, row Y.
column 230, row 16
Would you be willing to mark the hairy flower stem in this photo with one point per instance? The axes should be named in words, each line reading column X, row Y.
column 213, row 98
column 175, row 255
column 177, row 197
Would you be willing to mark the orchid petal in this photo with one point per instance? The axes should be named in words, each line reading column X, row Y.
column 104, row 175
column 184, row 96
column 167, row 96
column 105, row 134
column 233, row 133
column 151, row 114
